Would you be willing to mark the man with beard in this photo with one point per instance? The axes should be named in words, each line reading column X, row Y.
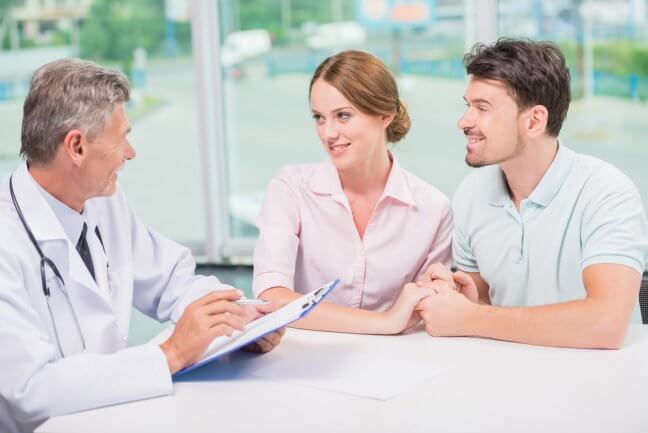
column 550, row 245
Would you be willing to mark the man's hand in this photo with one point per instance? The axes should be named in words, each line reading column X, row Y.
column 211, row 316
column 253, row 312
column 437, row 271
column 446, row 312
column 466, row 286
column 459, row 281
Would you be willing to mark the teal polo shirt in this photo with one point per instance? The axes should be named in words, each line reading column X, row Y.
column 583, row 212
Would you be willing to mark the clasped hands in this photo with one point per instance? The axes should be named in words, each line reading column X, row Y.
column 446, row 301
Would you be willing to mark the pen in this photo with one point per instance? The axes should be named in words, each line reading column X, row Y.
column 251, row 302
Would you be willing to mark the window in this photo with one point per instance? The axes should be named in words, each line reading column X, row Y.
column 150, row 41
column 606, row 47
column 264, row 95
column 216, row 117
column 269, row 50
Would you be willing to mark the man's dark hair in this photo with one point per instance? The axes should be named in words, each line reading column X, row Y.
column 534, row 72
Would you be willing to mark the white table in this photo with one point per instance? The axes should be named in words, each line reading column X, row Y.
column 485, row 386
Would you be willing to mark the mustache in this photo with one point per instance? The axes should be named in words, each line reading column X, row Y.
column 472, row 132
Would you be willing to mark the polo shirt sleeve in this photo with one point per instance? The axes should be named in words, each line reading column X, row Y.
column 614, row 228
column 441, row 247
column 279, row 222
column 462, row 253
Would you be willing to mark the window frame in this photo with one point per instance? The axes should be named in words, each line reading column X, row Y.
column 220, row 246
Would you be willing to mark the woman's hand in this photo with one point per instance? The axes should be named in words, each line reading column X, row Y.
column 403, row 315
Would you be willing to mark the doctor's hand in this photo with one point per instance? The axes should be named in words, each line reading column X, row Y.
column 403, row 315
column 253, row 312
column 211, row 316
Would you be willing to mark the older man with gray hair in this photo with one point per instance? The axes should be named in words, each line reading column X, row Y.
column 75, row 259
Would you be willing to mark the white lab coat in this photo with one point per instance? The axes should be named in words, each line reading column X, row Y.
column 148, row 271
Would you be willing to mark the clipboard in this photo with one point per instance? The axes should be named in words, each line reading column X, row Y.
column 256, row 329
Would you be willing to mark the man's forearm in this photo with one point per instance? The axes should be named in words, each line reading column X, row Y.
column 583, row 323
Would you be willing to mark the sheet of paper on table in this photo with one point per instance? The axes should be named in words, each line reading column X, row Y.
column 359, row 374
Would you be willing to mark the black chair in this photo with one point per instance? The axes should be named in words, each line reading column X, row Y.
column 643, row 298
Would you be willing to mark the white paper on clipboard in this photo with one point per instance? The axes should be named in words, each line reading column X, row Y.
column 256, row 329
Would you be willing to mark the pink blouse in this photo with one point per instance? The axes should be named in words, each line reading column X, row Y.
column 308, row 237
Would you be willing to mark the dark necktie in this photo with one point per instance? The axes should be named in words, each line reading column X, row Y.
column 84, row 251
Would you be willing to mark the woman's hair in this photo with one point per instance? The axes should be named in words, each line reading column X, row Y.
column 367, row 83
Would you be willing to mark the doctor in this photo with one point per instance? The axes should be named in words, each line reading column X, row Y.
column 74, row 260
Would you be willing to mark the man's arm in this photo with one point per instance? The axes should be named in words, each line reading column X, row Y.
column 600, row 320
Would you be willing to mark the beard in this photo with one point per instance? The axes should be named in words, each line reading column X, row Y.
column 477, row 160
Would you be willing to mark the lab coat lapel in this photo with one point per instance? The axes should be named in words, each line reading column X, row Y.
column 40, row 217
column 119, row 286
column 96, row 309
column 46, row 227
column 93, row 310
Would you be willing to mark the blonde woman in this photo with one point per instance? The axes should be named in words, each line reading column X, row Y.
column 358, row 215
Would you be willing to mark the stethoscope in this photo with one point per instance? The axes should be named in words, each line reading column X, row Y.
column 47, row 262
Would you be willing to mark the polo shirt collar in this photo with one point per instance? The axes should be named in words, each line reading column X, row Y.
column 500, row 194
column 325, row 180
column 548, row 186
column 554, row 178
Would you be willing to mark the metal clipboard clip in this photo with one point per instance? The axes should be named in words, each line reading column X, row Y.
column 319, row 294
